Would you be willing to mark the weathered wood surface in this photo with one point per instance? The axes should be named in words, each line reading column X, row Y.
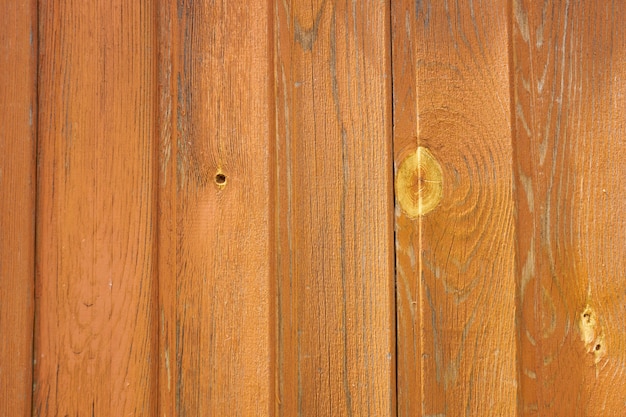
column 455, row 264
column 166, row 212
column 18, row 116
column 335, row 353
column 216, row 164
column 96, row 328
column 569, row 83
column 214, row 229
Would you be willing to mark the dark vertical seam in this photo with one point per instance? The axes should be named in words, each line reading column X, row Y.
column 156, row 199
column 272, row 211
column 514, row 194
column 35, row 215
column 392, row 197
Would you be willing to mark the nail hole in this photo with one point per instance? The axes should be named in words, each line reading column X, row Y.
column 220, row 179
column 598, row 347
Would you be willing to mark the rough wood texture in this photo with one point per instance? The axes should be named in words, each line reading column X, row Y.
column 215, row 208
column 455, row 265
column 96, row 329
column 216, row 200
column 18, row 113
column 334, row 209
column 166, row 213
column 569, row 66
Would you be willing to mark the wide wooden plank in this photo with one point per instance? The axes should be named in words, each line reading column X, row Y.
column 334, row 209
column 96, row 327
column 18, row 116
column 216, row 199
column 570, row 135
column 455, row 237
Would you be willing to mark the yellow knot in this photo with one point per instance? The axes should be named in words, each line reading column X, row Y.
column 419, row 183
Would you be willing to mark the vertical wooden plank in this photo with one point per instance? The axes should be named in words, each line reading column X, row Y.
column 334, row 209
column 95, row 347
column 18, row 96
column 455, row 209
column 569, row 82
column 216, row 202
column 166, row 211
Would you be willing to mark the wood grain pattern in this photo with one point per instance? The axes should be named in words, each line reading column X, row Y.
column 18, row 115
column 569, row 66
column 166, row 213
column 216, row 200
column 455, row 265
column 96, row 328
column 334, row 209
column 197, row 208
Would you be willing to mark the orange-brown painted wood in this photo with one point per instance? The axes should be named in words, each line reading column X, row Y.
column 216, row 220
column 569, row 82
column 455, row 266
column 166, row 214
column 215, row 213
column 336, row 349
column 96, row 327
column 18, row 116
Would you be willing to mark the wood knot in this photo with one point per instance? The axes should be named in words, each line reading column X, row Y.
column 419, row 183
column 592, row 334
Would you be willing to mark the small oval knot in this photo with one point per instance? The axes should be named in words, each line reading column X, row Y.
column 419, row 183
column 592, row 334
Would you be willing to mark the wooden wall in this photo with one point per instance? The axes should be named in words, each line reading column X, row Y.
column 455, row 262
column 18, row 142
column 96, row 327
column 322, row 208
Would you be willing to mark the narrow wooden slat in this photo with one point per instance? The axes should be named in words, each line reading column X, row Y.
column 18, row 96
column 166, row 212
column 216, row 175
column 95, row 340
column 455, row 263
column 334, row 209
column 570, row 135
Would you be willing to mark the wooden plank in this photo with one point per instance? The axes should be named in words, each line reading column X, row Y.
column 334, row 209
column 18, row 114
column 96, row 328
column 166, row 214
column 455, row 237
column 570, row 130
column 216, row 201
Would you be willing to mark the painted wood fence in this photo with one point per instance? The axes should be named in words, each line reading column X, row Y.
column 320, row 208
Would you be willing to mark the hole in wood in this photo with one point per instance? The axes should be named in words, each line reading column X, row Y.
column 220, row 179
column 598, row 347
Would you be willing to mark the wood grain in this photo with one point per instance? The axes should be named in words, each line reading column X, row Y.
column 569, row 66
column 166, row 213
column 334, row 209
column 216, row 163
column 18, row 116
column 455, row 264
column 96, row 328
column 197, row 208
